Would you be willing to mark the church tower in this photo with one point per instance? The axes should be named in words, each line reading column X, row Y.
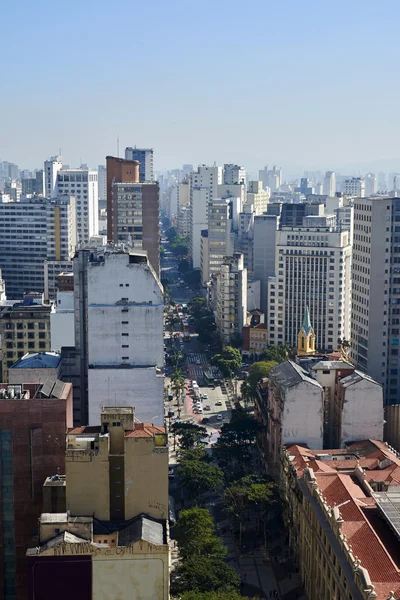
column 306, row 337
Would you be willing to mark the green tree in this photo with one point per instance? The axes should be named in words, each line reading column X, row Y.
column 218, row 595
column 232, row 448
column 263, row 498
column 236, row 340
column 189, row 434
column 171, row 233
column 276, row 353
column 199, row 477
column 228, row 361
column 179, row 246
column 257, row 371
column 197, row 306
column 195, row 532
column 204, row 574
column 183, row 266
column 197, row 453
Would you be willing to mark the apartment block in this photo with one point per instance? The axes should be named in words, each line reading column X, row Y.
column 264, row 249
column 144, row 156
column 220, row 233
column 354, row 187
column 33, row 421
column 82, row 183
column 231, row 297
column 258, row 197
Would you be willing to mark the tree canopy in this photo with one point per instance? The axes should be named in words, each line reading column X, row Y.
column 199, row 477
column 171, row 233
column 189, row 434
column 204, row 574
column 257, row 371
column 195, row 532
column 228, row 361
column 232, row 447
column 276, row 353
column 216, row 595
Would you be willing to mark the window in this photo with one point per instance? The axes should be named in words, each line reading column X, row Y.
column 125, row 334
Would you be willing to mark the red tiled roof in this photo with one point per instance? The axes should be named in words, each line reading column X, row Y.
column 145, row 430
column 85, row 429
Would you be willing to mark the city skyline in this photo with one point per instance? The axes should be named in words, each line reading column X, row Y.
column 265, row 98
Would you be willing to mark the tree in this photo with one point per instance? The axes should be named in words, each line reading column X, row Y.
column 199, row 477
column 236, row 340
column 195, row 532
column 257, row 371
column 263, row 497
column 179, row 246
column 197, row 306
column 216, row 595
column 197, row 453
column 183, row 266
column 204, row 574
column 189, row 434
column 276, row 353
column 228, row 361
column 232, row 447
column 171, row 233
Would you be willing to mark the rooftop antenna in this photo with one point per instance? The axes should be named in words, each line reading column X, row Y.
column 118, row 145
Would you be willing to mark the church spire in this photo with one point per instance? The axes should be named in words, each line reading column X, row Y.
column 306, row 337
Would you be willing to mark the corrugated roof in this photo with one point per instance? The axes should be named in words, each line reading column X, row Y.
column 289, row 374
column 142, row 529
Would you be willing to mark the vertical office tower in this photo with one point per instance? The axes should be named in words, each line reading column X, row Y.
column 312, row 268
column 329, row 186
column 33, row 421
column 51, row 168
column 34, row 185
column 145, row 158
column 102, row 182
column 220, row 236
column 132, row 207
column 258, row 197
column 371, row 185
column 264, row 247
column 375, row 335
column 271, row 178
column 119, row 309
column 83, row 185
column 31, row 232
column 234, row 174
column 13, row 189
column 231, row 297
column 354, row 187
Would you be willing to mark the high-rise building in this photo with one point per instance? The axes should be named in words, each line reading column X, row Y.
column 119, row 307
column 133, row 210
column 264, row 248
column 13, row 189
column 220, row 235
column 231, row 298
column 31, row 232
column 329, row 186
column 83, row 185
column 271, row 178
column 102, row 182
column 375, row 332
column 112, row 534
column 234, row 174
column 371, row 185
column 51, row 168
column 354, row 187
column 312, row 268
column 145, row 158
column 33, row 421
column 34, row 185
column 258, row 197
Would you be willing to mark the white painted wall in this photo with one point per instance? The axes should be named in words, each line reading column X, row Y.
column 362, row 416
column 302, row 417
column 142, row 388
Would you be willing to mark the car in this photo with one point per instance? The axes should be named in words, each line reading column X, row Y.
column 204, row 396
column 171, row 473
column 219, row 417
column 218, row 403
column 200, row 410
column 198, row 362
column 207, row 407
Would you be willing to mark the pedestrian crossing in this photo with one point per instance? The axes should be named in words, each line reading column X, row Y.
column 197, row 373
column 197, row 356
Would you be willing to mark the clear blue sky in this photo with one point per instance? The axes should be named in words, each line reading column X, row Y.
column 310, row 83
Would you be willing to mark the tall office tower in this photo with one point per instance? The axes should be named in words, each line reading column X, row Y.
column 82, row 183
column 102, row 182
column 13, row 189
column 33, row 421
column 183, row 221
column 31, row 232
column 371, row 185
column 375, row 338
column 105, row 522
column 258, row 197
column 203, row 187
column 271, row 178
column 306, row 187
column 382, row 183
column 8, row 170
column 312, row 269
column 133, row 210
column 231, row 298
column 51, row 168
column 354, row 187
column 234, row 174
column 145, row 158
column 264, row 247
column 220, row 234
column 119, row 307
column 33, row 185
column 329, row 187
column 245, row 234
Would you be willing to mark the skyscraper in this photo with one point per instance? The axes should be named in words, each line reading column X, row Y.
column 220, row 234
column 371, row 185
column 329, row 186
column 231, row 297
column 234, row 174
column 82, row 183
column 51, row 167
column 354, row 187
column 145, row 158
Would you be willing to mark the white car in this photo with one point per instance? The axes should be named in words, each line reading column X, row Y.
column 205, row 396
column 200, row 410
column 194, row 383
column 218, row 403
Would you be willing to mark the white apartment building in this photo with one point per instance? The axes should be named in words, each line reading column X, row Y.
column 102, row 182
column 312, row 268
column 183, row 221
column 244, row 241
column 119, row 308
column 220, row 234
column 354, row 187
column 375, row 332
column 82, row 183
column 234, row 174
column 206, row 177
column 271, row 178
column 371, row 185
column 329, row 185
column 233, row 190
column 231, row 297
column 62, row 321
column 51, row 169
column 258, row 197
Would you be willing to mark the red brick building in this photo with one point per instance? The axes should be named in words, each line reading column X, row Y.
column 33, row 422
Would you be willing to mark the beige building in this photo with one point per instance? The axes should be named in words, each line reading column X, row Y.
column 116, row 518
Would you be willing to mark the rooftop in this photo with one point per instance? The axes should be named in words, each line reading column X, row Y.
column 38, row 360
column 289, row 374
column 141, row 430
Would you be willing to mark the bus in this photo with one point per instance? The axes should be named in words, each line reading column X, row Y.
column 185, row 325
column 186, row 336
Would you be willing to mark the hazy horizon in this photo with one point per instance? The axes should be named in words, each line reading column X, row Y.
column 306, row 86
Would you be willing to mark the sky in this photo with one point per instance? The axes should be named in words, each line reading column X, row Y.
column 304, row 84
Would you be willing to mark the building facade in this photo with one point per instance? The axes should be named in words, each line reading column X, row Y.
column 33, row 421
column 234, row 174
column 145, row 158
column 354, row 187
column 51, row 168
column 329, row 185
column 231, row 297
column 220, row 233
column 264, row 248
column 83, row 185
column 258, row 197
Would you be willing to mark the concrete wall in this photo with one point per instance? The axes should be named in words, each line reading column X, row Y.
column 138, row 387
column 362, row 416
column 62, row 329
column 146, row 472
column 302, row 417
column 33, row 375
